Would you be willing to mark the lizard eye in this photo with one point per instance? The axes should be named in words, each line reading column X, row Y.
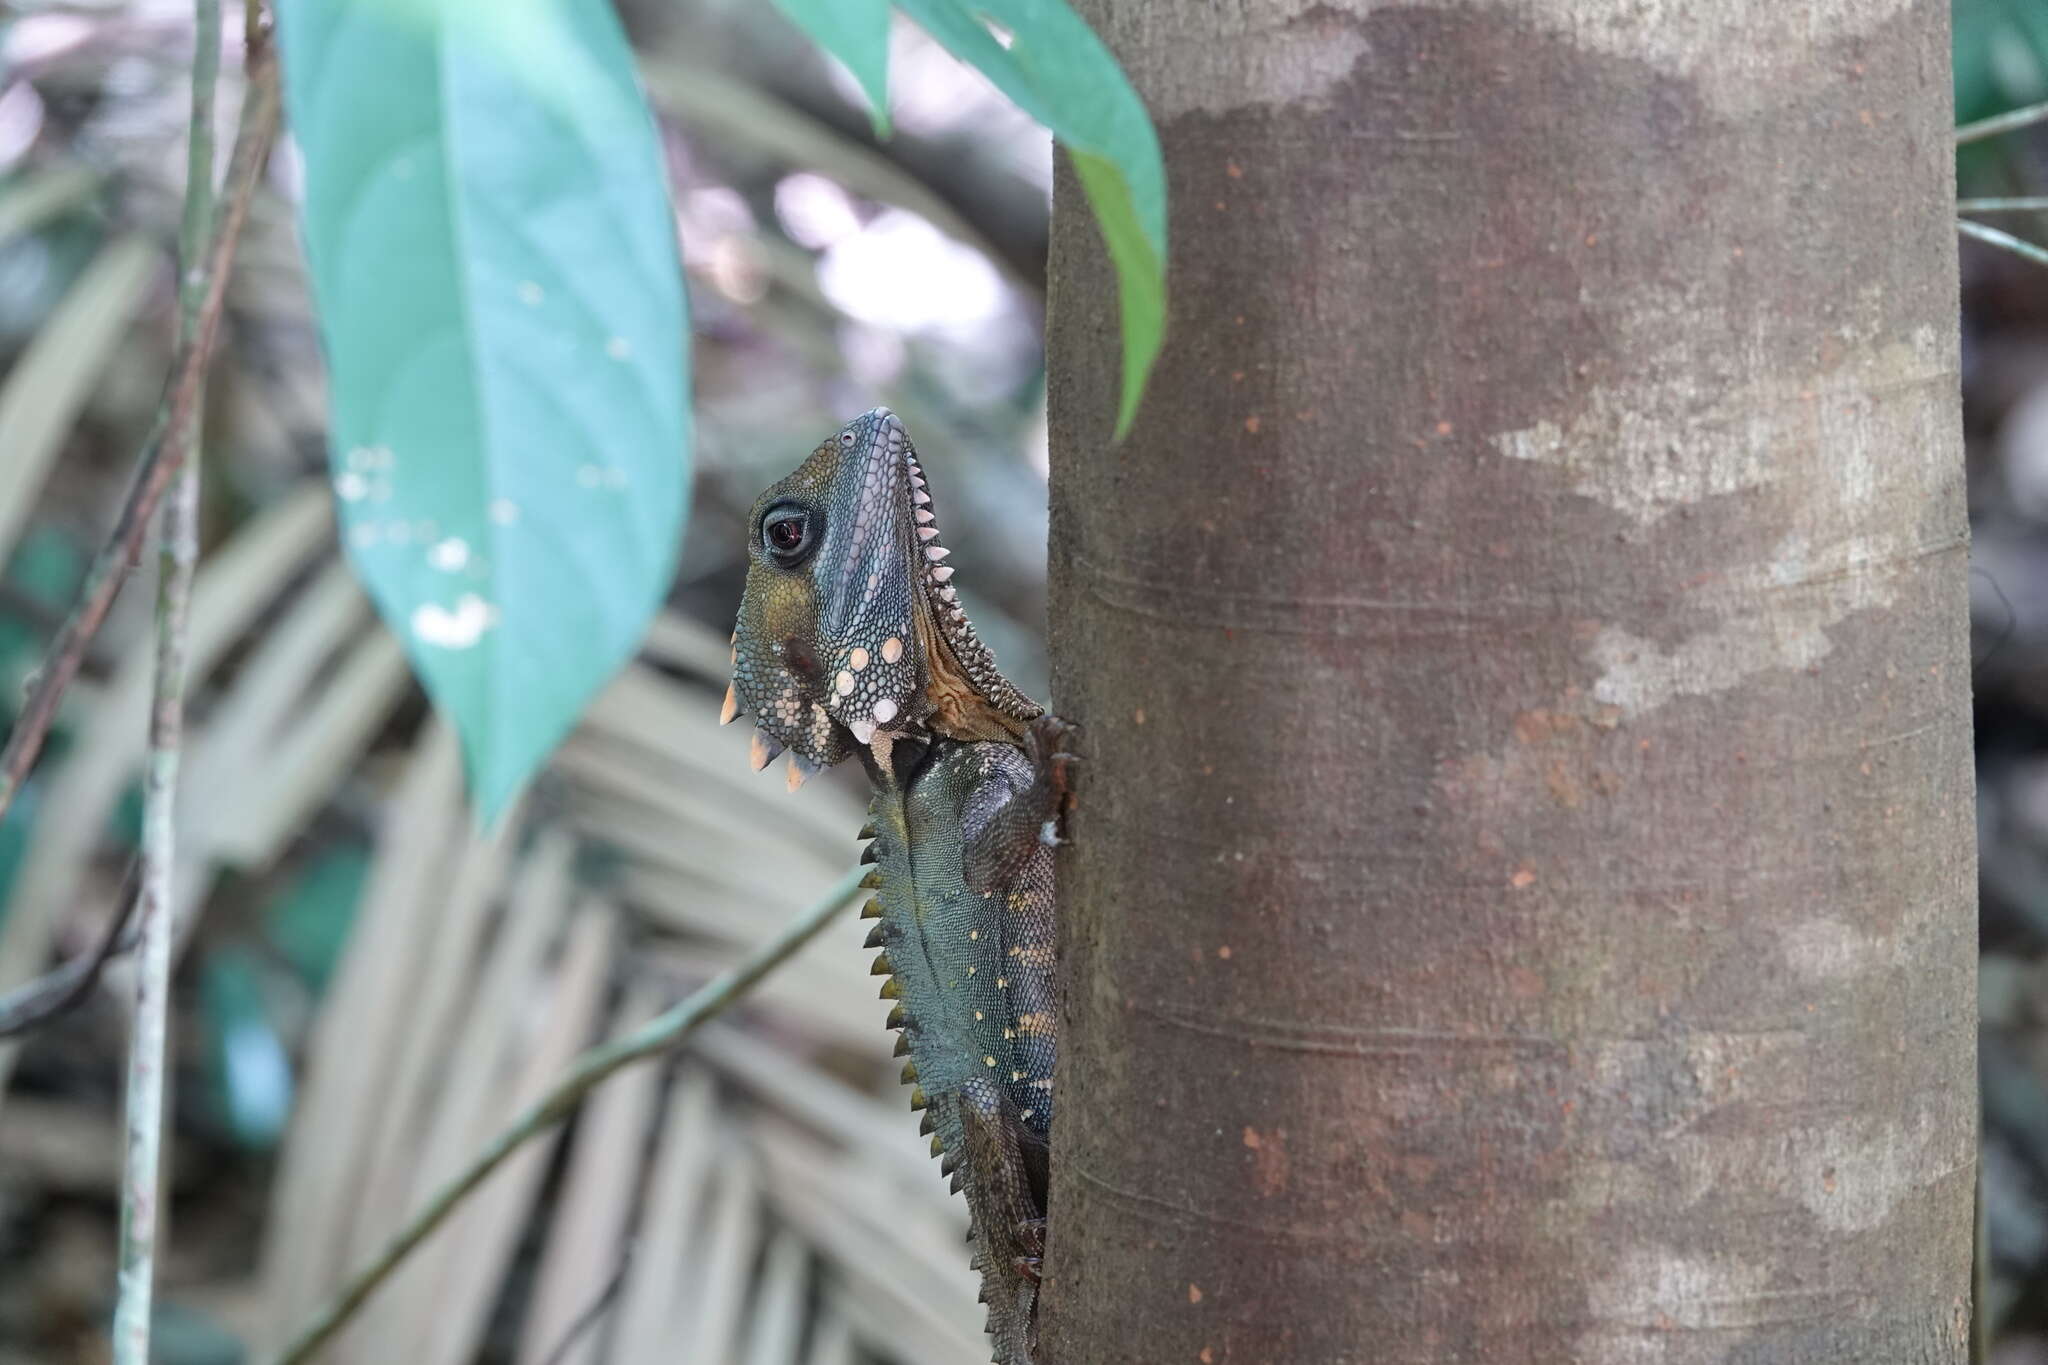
column 787, row 534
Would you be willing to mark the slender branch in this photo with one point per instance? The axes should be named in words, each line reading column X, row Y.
column 652, row 1038
column 35, row 1003
column 178, row 554
column 1994, row 237
column 168, row 443
column 594, row 1314
column 2002, row 123
column 2026, row 203
column 196, row 227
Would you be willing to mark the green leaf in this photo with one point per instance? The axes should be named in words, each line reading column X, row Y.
column 2001, row 56
column 310, row 918
column 2000, row 64
column 29, row 201
column 1058, row 72
column 857, row 33
column 252, row 1076
column 494, row 260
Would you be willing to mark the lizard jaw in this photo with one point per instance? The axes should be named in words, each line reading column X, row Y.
column 804, row 665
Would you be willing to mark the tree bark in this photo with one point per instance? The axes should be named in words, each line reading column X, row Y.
column 1521, row 900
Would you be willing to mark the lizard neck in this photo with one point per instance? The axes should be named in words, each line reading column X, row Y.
column 970, row 699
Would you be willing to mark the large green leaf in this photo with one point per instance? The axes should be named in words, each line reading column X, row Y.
column 2001, row 56
column 494, row 261
column 1058, row 71
column 857, row 33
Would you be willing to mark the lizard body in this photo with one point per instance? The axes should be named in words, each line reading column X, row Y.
column 851, row 642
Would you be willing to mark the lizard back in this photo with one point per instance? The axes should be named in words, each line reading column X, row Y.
column 970, row 965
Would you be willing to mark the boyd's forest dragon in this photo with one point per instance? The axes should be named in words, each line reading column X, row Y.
column 851, row 641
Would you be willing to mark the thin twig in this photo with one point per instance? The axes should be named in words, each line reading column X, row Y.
column 594, row 1314
column 29, row 1006
column 178, row 553
column 652, row 1038
column 1992, row 235
column 169, row 441
column 2002, row 123
column 2026, row 203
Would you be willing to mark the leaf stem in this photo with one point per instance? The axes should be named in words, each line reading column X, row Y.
column 1994, row 237
column 179, row 551
column 2028, row 203
column 169, row 441
column 652, row 1038
column 2001, row 123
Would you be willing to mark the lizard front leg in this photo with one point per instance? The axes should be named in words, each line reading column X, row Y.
column 1010, row 836
column 1011, row 832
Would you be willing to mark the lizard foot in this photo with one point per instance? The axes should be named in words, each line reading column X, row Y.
column 1031, row 1237
column 1047, row 746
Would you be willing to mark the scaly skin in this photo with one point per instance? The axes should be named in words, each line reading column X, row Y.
column 851, row 642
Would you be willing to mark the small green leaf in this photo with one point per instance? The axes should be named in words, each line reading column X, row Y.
column 494, row 258
column 1059, row 73
column 252, row 1076
column 29, row 201
column 310, row 917
column 857, row 33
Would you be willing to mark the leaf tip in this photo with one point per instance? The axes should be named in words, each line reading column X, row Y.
column 1138, row 360
column 1127, row 411
column 491, row 800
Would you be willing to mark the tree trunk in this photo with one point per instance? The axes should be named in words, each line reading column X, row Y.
column 1521, row 898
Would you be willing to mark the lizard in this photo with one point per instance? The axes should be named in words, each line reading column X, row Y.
column 851, row 642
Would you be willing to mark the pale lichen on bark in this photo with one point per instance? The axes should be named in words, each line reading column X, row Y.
column 1285, row 51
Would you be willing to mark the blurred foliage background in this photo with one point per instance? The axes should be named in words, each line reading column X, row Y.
column 2001, row 62
column 367, row 989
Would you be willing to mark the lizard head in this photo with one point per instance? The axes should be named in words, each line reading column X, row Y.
column 849, row 628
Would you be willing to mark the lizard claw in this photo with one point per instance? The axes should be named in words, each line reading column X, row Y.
column 1030, row 1236
column 1048, row 737
column 1046, row 745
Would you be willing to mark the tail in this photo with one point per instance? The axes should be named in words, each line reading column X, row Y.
column 1007, row 1212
